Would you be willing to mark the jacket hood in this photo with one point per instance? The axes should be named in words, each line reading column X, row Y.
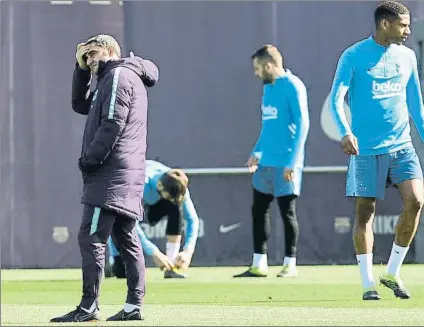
column 145, row 69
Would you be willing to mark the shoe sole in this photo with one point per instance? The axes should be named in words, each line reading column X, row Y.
column 63, row 322
column 372, row 299
column 126, row 320
column 174, row 277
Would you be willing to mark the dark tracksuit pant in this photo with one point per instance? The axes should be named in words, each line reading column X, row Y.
column 154, row 214
column 96, row 227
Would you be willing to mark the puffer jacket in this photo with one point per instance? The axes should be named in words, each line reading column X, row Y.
column 113, row 155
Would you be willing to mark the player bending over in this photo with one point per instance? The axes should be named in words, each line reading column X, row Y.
column 165, row 194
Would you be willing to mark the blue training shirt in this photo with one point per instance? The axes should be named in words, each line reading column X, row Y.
column 285, row 123
column 154, row 171
column 383, row 85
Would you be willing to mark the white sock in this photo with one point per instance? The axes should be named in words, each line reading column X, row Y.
column 172, row 250
column 365, row 267
column 91, row 309
column 130, row 307
column 289, row 261
column 260, row 260
column 396, row 259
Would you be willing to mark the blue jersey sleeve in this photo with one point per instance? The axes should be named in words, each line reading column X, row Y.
column 341, row 82
column 298, row 101
column 148, row 247
column 192, row 223
column 414, row 98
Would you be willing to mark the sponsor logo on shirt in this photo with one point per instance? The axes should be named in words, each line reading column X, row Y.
column 269, row 112
column 386, row 90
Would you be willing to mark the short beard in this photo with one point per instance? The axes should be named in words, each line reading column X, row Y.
column 268, row 79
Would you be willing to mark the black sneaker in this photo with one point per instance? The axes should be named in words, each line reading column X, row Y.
column 174, row 273
column 371, row 295
column 253, row 272
column 126, row 316
column 396, row 285
column 78, row 315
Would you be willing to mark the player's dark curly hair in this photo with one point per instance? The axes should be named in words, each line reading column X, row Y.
column 175, row 182
column 389, row 10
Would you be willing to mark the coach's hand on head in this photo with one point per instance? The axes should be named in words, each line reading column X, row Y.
column 350, row 144
column 81, row 55
column 162, row 260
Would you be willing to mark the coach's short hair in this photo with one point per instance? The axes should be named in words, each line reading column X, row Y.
column 107, row 42
column 268, row 52
column 389, row 10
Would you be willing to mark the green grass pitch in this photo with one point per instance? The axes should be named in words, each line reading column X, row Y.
column 321, row 295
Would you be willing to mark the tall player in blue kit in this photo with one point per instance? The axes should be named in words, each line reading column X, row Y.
column 166, row 194
column 381, row 76
column 277, row 158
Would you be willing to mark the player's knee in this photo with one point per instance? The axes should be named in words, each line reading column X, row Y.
column 365, row 209
column 174, row 226
column 258, row 211
column 413, row 204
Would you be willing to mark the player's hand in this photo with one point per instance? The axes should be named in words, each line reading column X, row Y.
column 288, row 174
column 183, row 259
column 252, row 164
column 350, row 144
column 162, row 261
column 80, row 55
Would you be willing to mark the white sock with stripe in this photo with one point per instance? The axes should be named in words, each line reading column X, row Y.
column 365, row 268
column 396, row 259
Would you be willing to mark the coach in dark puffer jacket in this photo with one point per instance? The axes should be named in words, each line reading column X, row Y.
column 112, row 163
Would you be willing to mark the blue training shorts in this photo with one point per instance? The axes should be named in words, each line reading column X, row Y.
column 270, row 180
column 368, row 176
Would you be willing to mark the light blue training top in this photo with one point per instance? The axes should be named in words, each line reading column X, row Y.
column 384, row 86
column 285, row 123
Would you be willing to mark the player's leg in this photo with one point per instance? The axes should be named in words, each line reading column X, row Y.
column 262, row 198
column 286, row 193
column 174, row 229
column 363, row 240
column 94, row 232
column 124, row 231
column 108, row 262
column 287, row 206
column 154, row 214
column 366, row 180
column 117, row 266
column 406, row 175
